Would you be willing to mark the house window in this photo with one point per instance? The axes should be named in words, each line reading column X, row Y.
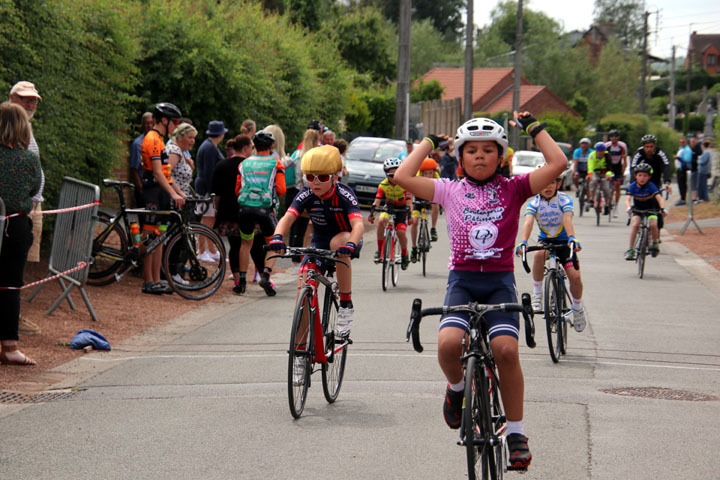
column 711, row 59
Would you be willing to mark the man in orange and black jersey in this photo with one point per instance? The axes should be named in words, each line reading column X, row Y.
column 158, row 187
column 396, row 196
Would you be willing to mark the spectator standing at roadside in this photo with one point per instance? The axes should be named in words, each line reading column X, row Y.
column 26, row 95
column 183, row 139
column 223, row 186
column 448, row 163
column 248, row 128
column 342, row 146
column 409, row 145
column 683, row 164
column 704, row 169
column 697, row 152
column 328, row 137
column 136, row 160
column 20, row 181
column 208, row 155
column 311, row 139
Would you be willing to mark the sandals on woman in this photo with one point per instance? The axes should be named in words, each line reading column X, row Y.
column 25, row 362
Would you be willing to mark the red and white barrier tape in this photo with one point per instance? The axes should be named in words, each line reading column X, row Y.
column 50, row 212
column 80, row 266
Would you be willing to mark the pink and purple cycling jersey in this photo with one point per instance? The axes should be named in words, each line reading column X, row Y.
column 482, row 221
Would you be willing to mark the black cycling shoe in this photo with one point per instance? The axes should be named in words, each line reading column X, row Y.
column 452, row 408
column 267, row 285
column 433, row 235
column 520, row 456
column 239, row 289
column 414, row 255
column 376, row 258
column 404, row 262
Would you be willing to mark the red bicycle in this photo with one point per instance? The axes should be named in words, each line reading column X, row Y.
column 313, row 339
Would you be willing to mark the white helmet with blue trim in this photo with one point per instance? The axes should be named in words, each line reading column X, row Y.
column 391, row 163
column 481, row 129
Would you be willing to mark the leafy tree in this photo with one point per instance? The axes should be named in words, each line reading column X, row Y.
column 427, row 47
column 446, row 15
column 580, row 104
column 367, row 41
column 627, row 17
column 423, row 91
column 307, row 13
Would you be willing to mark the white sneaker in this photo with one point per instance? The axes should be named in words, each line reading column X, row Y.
column 179, row 280
column 215, row 256
column 299, row 368
column 536, row 301
column 205, row 257
column 344, row 321
column 579, row 319
column 615, row 212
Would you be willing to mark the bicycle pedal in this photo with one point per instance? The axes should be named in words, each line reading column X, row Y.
column 517, row 469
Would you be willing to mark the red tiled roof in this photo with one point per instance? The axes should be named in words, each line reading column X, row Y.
column 484, row 79
column 527, row 92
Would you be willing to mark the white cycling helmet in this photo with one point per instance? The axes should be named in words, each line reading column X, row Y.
column 391, row 163
column 480, row 129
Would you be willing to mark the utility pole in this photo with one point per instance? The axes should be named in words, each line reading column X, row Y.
column 644, row 64
column 469, row 27
column 686, row 120
column 402, row 97
column 517, row 71
column 672, row 108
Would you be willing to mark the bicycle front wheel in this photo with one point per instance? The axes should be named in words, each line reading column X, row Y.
column 300, row 358
column 553, row 313
column 335, row 352
column 581, row 199
column 641, row 252
column 423, row 245
column 598, row 208
column 566, row 311
column 395, row 260
column 387, row 260
column 189, row 276
column 478, row 429
column 109, row 250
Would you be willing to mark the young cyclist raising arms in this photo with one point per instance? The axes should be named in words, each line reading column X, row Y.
column 482, row 211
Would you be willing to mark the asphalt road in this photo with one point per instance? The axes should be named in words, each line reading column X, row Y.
column 206, row 396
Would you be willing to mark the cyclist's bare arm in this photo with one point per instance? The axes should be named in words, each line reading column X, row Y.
column 284, row 224
column 569, row 228
column 356, row 230
column 162, row 181
column 527, row 228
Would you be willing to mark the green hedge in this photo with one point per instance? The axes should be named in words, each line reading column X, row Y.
column 696, row 123
column 634, row 127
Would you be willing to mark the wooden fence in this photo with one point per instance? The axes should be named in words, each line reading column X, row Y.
column 441, row 116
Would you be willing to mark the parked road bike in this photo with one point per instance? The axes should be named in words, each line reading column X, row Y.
column 423, row 240
column 390, row 255
column 114, row 252
column 642, row 241
column 313, row 340
column 483, row 424
column 557, row 300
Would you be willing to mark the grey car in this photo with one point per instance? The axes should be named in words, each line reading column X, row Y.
column 365, row 157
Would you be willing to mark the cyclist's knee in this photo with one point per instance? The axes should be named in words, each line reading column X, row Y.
column 505, row 350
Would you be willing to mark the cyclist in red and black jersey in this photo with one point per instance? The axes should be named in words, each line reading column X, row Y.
column 617, row 151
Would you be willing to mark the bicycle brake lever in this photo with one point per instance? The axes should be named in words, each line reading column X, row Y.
column 413, row 327
column 529, row 323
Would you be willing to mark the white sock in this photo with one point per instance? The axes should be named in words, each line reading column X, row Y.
column 537, row 286
column 457, row 387
column 577, row 304
column 516, row 427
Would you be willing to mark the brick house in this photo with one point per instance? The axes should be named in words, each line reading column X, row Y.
column 705, row 51
column 493, row 91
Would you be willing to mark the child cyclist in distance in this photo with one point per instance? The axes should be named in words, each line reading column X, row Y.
column 645, row 196
column 337, row 221
column 396, row 196
column 482, row 212
column 428, row 169
column 553, row 211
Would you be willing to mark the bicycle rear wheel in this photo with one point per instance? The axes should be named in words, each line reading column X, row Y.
column 109, row 250
column 598, row 207
column 300, row 353
column 423, row 245
column 395, row 259
column 387, row 260
column 581, row 198
column 641, row 252
column 482, row 458
column 553, row 313
column 334, row 368
column 188, row 276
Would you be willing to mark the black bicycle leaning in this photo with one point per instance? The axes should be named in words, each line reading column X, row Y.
column 114, row 250
column 313, row 339
column 483, row 425
column 557, row 300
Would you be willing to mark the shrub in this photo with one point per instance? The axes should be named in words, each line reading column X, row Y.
column 696, row 123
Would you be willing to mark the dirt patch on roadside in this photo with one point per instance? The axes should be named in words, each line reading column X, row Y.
column 706, row 245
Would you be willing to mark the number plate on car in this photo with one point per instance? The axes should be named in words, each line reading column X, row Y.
column 365, row 188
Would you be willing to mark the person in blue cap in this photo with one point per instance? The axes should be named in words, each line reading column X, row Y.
column 208, row 156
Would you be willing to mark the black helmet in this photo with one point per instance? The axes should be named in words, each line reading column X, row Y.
column 263, row 140
column 166, row 110
column 314, row 125
column 614, row 133
column 649, row 138
column 643, row 167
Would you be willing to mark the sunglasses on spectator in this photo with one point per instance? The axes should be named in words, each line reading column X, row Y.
column 322, row 178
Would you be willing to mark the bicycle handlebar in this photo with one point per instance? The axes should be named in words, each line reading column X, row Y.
column 417, row 312
column 309, row 251
column 554, row 247
column 643, row 213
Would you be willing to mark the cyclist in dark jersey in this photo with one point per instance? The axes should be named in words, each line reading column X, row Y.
column 656, row 158
column 337, row 222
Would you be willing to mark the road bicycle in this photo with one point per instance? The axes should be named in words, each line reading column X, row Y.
column 557, row 300
column 599, row 200
column 483, row 424
column 114, row 252
column 390, row 255
column 312, row 338
column 423, row 240
column 642, row 241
